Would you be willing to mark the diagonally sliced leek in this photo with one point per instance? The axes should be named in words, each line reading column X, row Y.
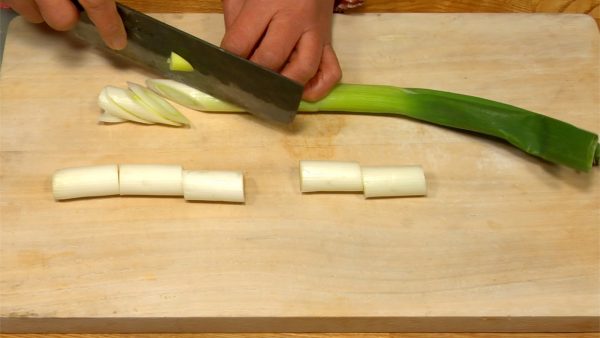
column 131, row 103
column 111, row 108
column 533, row 133
column 108, row 118
column 157, row 104
column 218, row 186
column 90, row 181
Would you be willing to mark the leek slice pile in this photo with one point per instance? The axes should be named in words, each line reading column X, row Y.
column 539, row 135
column 137, row 104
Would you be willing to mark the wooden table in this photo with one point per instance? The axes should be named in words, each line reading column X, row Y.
column 591, row 7
column 311, row 335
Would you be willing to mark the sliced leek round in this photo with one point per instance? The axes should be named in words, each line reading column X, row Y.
column 88, row 181
column 151, row 179
column 393, row 181
column 330, row 176
column 217, row 186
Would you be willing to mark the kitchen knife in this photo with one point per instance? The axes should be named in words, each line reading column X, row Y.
column 259, row 90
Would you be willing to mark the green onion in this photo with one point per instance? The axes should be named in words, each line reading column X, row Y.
column 539, row 135
column 536, row 134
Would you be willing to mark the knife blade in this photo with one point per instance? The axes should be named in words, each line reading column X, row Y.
column 261, row 91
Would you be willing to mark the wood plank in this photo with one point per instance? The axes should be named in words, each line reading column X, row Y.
column 591, row 7
column 499, row 231
column 311, row 335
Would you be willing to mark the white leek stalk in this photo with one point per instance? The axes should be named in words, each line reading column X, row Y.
column 374, row 181
column 393, row 181
column 151, row 179
column 90, row 181
column 219, row 186
column 190, row 97
column 330, row 176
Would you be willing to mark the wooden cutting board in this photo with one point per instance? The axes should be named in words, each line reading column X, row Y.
column 502, row 242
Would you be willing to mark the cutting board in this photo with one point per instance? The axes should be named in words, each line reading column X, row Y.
column 502, row 242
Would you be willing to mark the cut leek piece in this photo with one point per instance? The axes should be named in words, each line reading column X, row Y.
column 131, row 103
column 179, row 64
column 89, row 181
column 151, row 179
column 108, row 118
column 217, row 186
column 111, row 108
column 321, row 176
column 157, row 104
column 393, row 181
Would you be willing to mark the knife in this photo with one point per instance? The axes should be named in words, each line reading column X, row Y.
column 6, row 15
column 224, row 75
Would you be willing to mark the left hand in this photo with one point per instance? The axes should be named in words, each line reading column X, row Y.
column 292, row 37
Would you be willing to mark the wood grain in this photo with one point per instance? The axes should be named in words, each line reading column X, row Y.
column 310, row 335
column 591, row 7
column 498, row 232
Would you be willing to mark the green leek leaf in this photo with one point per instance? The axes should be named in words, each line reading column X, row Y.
column 539, row 135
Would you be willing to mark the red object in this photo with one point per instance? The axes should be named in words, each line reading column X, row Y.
column 341, row 5
column 3, row 5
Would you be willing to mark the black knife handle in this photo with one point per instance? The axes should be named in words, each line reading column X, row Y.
column 77, row 5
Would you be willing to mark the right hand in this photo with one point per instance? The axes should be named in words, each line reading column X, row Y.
column 288, row 36
column 62, row 16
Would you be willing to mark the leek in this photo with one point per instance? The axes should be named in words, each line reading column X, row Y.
column 213, row 186
column 539, row 135
column 179, row 64
column 393, row 181
column 148, row 180
column 137, row 104
column 373, row 181
column 89, row 181
column 330, row 176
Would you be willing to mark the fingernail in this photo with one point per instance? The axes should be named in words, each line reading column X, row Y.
column 118, row 43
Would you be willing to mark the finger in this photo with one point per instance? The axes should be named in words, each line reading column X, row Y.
column 328, row 75
column 277, row 45
column 246, row 31
column 304, row 62
column 103, row 14
column 58, row 14
column 231, row 10
column 27, row 9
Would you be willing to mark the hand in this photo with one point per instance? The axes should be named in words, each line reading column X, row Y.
column 292, row 37
column 62, row 15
